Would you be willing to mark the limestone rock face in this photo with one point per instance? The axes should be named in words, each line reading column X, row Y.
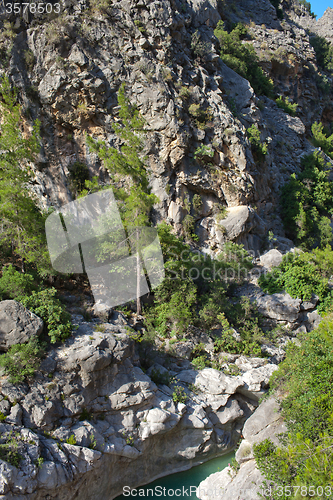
column 264, row 423
column 95, row 417
column 17, row 324
column 279, row 306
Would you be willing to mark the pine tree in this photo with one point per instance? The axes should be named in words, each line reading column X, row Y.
column 22, row 222
column 135, row 200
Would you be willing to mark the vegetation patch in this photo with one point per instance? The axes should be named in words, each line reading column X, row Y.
column 305, row 378
column 22, row 360
column 287, row 105
column 242, row 58
column 307, row 202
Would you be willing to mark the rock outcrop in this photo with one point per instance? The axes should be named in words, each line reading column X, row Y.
column 265, row 423
column 17, row 324
column 94, row 417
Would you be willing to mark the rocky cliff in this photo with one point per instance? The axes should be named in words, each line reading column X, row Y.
column 92, row 418
column 69, row 67
column 93, row 421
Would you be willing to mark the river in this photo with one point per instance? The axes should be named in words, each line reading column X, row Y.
column 178, row 485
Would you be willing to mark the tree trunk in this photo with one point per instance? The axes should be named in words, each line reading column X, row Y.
column 138, row 276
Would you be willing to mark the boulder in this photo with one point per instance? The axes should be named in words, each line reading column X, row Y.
column 271, row 259
column 279, row 306
column 17, row 324
column 237, row 222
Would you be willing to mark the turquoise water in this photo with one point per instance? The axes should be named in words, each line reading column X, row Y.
column 180, row 481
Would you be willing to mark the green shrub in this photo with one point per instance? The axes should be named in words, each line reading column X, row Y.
column 184, row 93
column 298, row 469
column 201, row 49
column 8, row 450
column 286, row 105
column 14, row 284
column 22, row 360
column 324, row 52
column 307, row 5
column 200, row 362
column 204, row 154
column 160, row 378
column 279, row 11
column 322, row 139
column 201, row 115
column 85, row 415
column 197, row 203
column 242, row 58
column 179, row 394
column 195, row 287
column 174, row 306
column 301, row 275
column 306, row 200
column 259, row 149
column 45, row 304
column 71, row 439
column 305, row 378
column 39, row 462
column 188, row 224
column 232, row 370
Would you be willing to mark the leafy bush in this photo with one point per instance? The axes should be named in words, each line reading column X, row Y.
column 194, row 289
column 71, row 439
column 179, row 394
column 188, row 224
column 204, row 154
column 301, row 275
column 22, row 360
column 286, row 105
column 174, row 306
column 307, row 5
column 14, row 284
column 244, row 317
column 259, row 149
column 200, row 49
column 29, row 59
column 45, row 304
column 306, row 379
column 324, row 52
column 201, row 115
column 160, row 378
column 322, row 139
column 305, row 457
column 306, row 200
column 8, row 450
column 299, row 469
column 242, row 58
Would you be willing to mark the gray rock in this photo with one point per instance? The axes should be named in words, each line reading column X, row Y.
column 17, row 324
column 271, row 259
column 15, row 416
column 310, row 304
column 245, row 485
column 264, row 423
column 4, row 407
column 237, row 222
column 279, row 306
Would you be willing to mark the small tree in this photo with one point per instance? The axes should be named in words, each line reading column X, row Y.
column 22, row 225
column 135, row 200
